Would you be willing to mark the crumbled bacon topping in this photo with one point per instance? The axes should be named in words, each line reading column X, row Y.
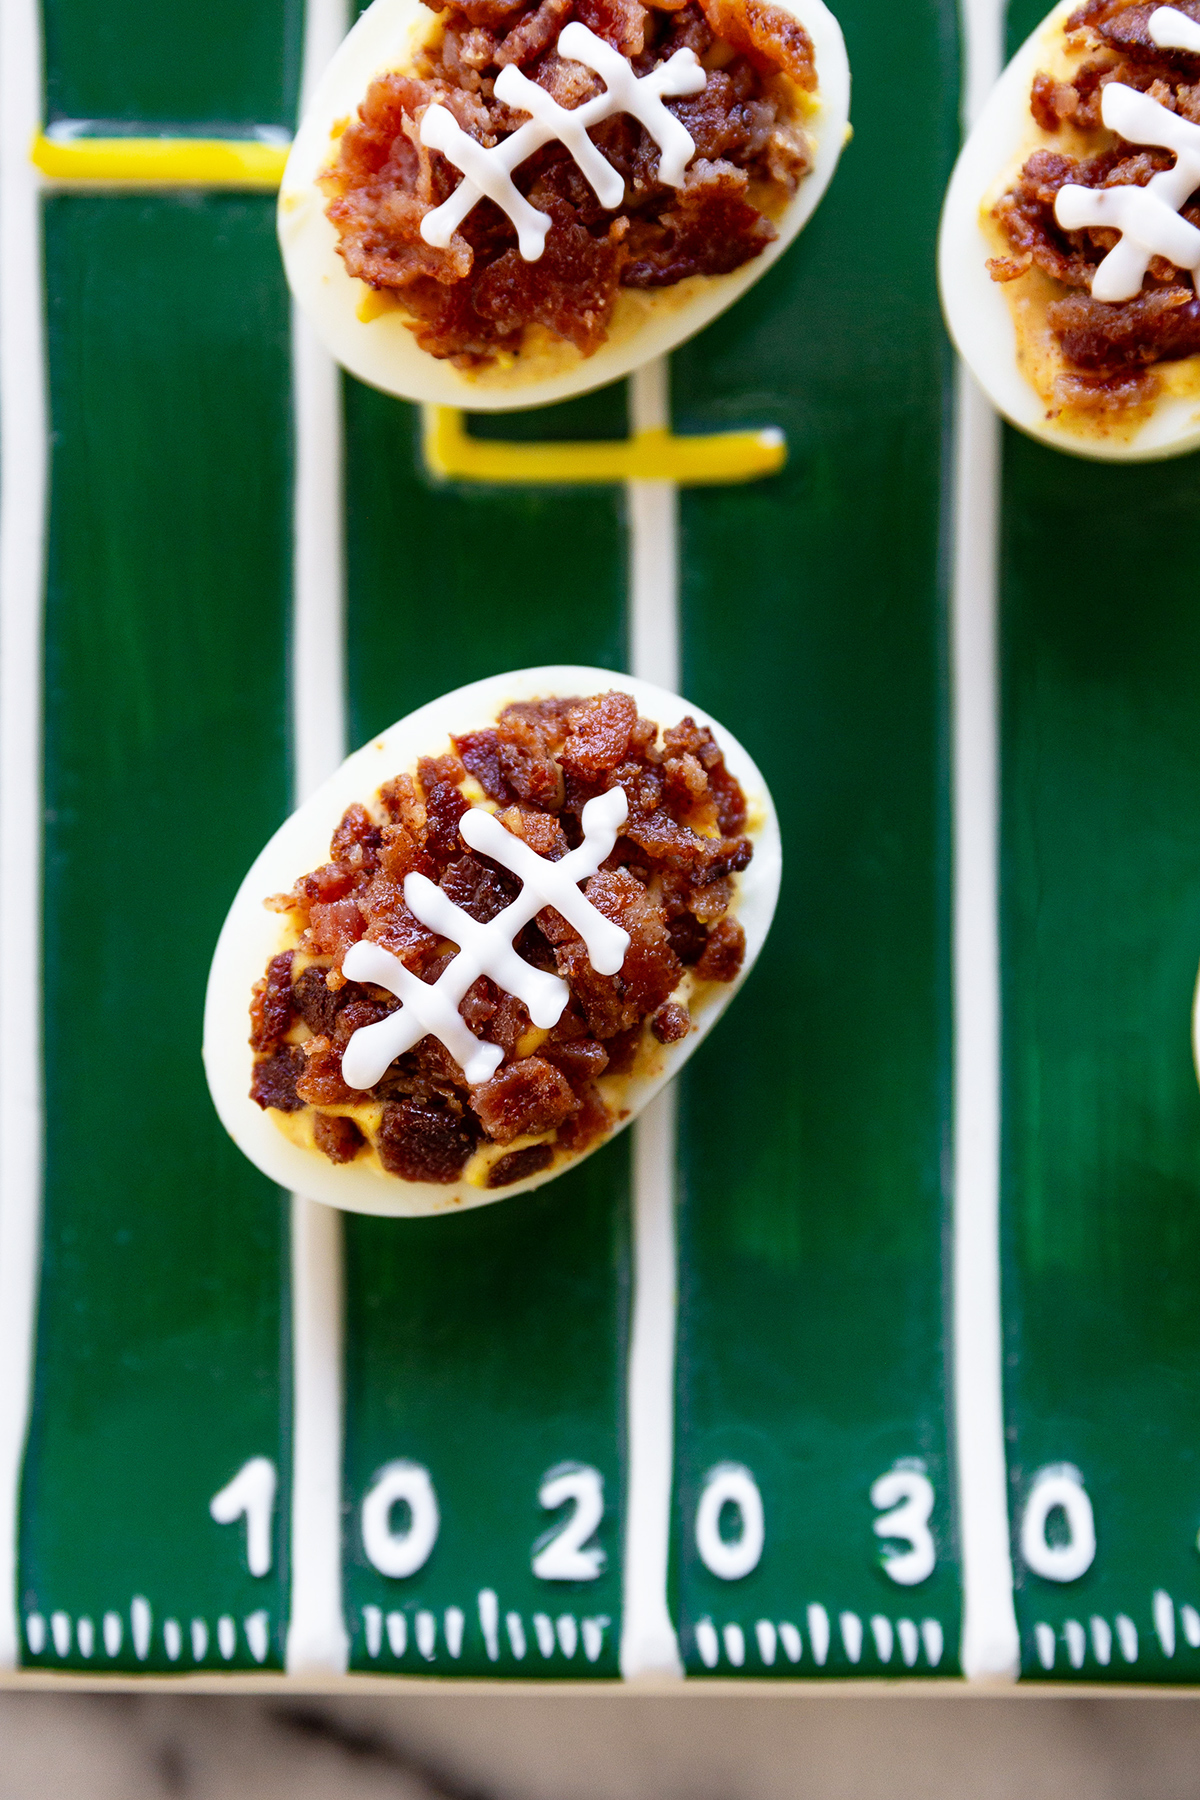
column 476, row 297
column 1108, row 347
column 668, row 883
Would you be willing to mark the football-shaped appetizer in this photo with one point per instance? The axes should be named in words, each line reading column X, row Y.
column 506, row 202
column 487, row 941
column 1071, row 233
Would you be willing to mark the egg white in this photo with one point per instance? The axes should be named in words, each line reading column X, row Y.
column 977, row 313
column 251, row 936
column 384, row 351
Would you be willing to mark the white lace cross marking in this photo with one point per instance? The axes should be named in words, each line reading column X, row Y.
column 1171, row 29
column 489, row 172
column 431, row 1009
column 1147, row 217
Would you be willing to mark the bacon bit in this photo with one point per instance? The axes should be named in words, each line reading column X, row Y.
column 527, row 1097
column 621, row 23
column 599, row 735
column 424, row 1143
column 334, row 927
column 320, row 1081
column 591, row 1121
column 1009, row 268
column 271, row 1006
column 1160, row 326
column 541, row 831
column 527, row 761
column 723, row 953
column 536, row 32
column 518, row 1165
column 273, row 1082
column 771, row 37
column 337, row 1137
column 671, row 1023
column 1052, row 102
column 711, row 230
column 480, row 755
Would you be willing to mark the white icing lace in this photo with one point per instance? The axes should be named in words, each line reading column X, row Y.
column 1146, row 217
column 489, row 172
column 1171, row 29
column 431, row 1009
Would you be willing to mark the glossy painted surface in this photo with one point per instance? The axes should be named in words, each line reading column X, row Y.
column 488, row 1348
column 815, row 1125
column 491, row 1349
column 1101, row 879
column 227, row 62
column 1102, row 935
column 448, row 584
column 161, row 1358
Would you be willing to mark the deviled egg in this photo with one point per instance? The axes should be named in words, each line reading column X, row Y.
column 480, row 949
column 506, row 202
column 1071, row 232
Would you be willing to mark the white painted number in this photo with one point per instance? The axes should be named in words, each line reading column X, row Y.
column 250, row 1495
column 907, row 1493
column 732, row 1485
column 565, row 1554
column 1058, row 1488
column 400, row 1551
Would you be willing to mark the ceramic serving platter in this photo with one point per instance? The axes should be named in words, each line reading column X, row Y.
column 839, row 1377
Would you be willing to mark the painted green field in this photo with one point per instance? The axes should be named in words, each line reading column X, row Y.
column 814, row 1367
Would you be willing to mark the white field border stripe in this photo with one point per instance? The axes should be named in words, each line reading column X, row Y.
column 653, row 509
column 317, row 1642
column 23, row 454
column 648, row 1642
column 990, row 1646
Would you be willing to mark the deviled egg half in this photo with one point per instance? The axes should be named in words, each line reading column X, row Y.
column 1071, row 233
column 480, row 949
column 506, row 202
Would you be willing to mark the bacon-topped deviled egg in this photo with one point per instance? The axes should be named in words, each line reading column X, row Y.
column 501, row 203
column 1071, row 234
column 487, row 941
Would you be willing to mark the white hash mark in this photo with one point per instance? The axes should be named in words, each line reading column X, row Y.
column 1147, row 217
column 489, row 172
column 431, row 1009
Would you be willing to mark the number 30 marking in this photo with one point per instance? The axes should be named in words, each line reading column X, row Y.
column 909, row 1494
column 564, row 1554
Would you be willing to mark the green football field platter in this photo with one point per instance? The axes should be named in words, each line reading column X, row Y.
column 814, row 1224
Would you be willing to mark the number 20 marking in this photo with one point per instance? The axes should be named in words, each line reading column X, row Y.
column 565, row 1554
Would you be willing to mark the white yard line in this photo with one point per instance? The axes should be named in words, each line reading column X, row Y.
column 22, row 542
column 990, row 1647
column 653, row 508
column 317, row 1642
column 648, row 1643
